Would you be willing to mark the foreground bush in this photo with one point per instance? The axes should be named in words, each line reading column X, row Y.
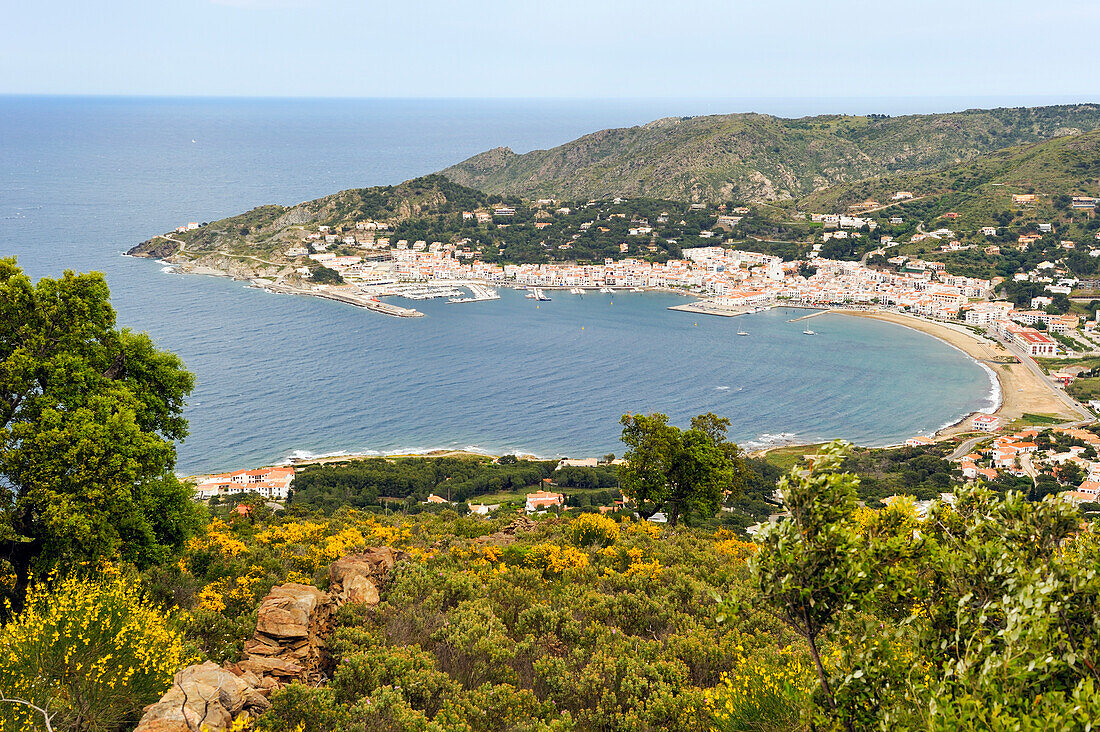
column 91, row 652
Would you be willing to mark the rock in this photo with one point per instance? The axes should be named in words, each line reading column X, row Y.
column 360, row 589
column 273, row 667
column 203, row 696
column 288, row 645
column 508, row 534
column 291, row 625
column 287, row 610
column 358, row 577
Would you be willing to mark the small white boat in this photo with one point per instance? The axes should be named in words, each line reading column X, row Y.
column 638, row 289
column 808, row 332
column 576, row 291
column 606, row 290
column 742, row 332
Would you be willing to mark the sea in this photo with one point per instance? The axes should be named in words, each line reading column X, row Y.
column 280, row 377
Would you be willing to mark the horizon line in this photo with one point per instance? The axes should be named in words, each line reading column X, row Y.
column 1095, row 97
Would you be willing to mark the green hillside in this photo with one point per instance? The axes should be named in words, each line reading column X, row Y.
column 1066, row 166
column 266, row 229
column 755, row 157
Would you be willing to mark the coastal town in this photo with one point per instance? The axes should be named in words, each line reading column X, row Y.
column 1021, row 341
column 726, row 280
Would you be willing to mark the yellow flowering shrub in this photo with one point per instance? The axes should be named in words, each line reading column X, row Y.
column 92, row 650
column 311, row 545
column 555, row 560
column 217, row 539
column 292, row 532
column 643, row 528
column 762, row 693
column 212, row 596
column 734, row 549
column 630, row 562
column 592, row 528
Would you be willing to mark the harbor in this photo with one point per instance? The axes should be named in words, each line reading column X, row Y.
column 481, row 293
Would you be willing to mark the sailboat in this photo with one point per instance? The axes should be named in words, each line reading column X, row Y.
column 742, row 332
column 808, row 332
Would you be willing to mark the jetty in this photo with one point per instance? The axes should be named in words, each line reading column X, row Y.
column 807, row 317
column 359, row 300
column 707, row 307
column 480, row 294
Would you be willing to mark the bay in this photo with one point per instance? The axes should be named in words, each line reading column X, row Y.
column 82, row 180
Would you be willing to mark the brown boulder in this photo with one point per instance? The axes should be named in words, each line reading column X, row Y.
column 507, row 535
column 288, row 609
column 358, row 577
column 202, row 696
column 360, row 589
column 288, row 644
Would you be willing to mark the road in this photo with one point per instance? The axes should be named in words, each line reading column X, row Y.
column 966, row 447
column 1072, row 404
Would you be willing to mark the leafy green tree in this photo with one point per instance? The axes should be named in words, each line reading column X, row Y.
column 323, row 275
column 807, row 570
column 89, row 414
column 679, row 471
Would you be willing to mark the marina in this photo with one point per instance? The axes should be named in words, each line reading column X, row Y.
column 480, row 294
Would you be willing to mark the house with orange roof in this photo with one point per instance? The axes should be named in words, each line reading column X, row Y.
column 540, row 501
column 272, row 482
column 987, row 473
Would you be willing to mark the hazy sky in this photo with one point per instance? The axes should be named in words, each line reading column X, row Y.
column 567, row 48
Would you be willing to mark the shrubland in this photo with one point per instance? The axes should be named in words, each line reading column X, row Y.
column 981, row 612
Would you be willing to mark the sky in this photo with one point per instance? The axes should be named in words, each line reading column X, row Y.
column 566, row 48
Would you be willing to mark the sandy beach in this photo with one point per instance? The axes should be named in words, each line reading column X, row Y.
column 1022, row 390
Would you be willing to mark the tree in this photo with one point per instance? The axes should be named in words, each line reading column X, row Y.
column 88, row 418
column 679, row 471
column 806, row 569
column 326, row 276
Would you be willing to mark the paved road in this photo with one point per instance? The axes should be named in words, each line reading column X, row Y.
column 966, row 447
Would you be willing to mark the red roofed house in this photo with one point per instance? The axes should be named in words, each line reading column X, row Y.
column 986, row 422
column 541, row 500
column 268, row 482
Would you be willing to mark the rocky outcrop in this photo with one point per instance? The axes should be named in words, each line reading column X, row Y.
column 289, row 644
column 289, row 641
column 359, row 577
column 508, row 534
column 204, row 696
column 156, row 248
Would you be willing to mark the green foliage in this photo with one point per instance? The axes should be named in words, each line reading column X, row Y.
column 806, row 569
column 984, row 614
column 535, row 635
column 690, row 158
column 679, row 471
column 322, row 275
column 362, row 483
column 88, row 417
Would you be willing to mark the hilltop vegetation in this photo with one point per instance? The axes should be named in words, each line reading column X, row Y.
column 755, row 157
column 981, row 189
column 982, row 613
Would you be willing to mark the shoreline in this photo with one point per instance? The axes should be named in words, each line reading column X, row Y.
column 1021, row 391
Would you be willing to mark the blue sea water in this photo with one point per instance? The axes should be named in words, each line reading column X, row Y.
column 82, row 180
